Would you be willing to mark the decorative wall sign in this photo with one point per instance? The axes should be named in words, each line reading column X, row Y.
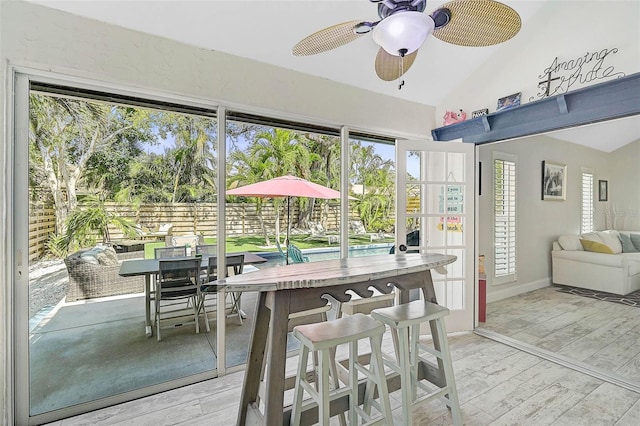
column 560, row 76
column 509, row 101
column 480, row 112
column 554, row 181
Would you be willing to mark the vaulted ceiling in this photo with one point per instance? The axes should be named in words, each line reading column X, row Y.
column 266, row 31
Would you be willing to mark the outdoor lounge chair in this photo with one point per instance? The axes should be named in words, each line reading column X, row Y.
column 319, row 233
column 357, row 229
column 156, row 232
column 93, row 275
column 295, row 254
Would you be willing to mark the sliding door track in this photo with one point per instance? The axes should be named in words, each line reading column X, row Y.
column 560, row 359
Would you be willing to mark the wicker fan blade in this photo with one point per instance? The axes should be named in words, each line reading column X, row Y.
column 388, row 66
column 326, row 39
column 479, row 23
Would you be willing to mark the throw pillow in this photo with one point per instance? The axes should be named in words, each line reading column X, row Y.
column 596, row 247
column 591, row 236
column 611, row 239
column 635, row 239
column 627, row 245
column 89, row 256
column 570, row 242
column 107, row 256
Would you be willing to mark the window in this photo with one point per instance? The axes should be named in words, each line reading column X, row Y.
column 504, row 229
column 586, row 219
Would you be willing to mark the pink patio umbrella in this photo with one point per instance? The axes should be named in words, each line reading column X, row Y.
column 285, row 186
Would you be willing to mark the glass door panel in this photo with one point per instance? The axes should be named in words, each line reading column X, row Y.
column 435, row 215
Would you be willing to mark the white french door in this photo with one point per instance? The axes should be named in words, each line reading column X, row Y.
column 435, row 205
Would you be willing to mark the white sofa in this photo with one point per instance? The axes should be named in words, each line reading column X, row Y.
column 592, row 269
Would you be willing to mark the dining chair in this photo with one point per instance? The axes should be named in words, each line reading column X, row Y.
column 178, row 280
column 208, row 249
column 168, row 252
column 234, row 266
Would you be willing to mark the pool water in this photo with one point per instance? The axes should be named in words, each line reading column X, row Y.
column 315, row 255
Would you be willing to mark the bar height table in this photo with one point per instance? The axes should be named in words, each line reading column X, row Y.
column 294, row 288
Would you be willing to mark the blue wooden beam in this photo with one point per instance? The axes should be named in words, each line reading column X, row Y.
column 604, row 101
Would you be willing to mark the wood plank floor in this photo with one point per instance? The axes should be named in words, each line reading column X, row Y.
column 602, row 334
column 497, row 384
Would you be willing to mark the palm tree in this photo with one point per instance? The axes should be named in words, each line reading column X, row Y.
column 84, row 225
column 273, row 153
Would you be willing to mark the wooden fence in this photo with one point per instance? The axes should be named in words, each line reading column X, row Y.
column 186, row 218
column 42, row 224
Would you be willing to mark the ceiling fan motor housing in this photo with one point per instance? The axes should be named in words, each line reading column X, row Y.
column 387, row 8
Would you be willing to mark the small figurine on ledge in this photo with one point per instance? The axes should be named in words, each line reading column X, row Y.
column 451, row 117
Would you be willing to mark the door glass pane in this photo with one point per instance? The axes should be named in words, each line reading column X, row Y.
column 455, row 230
column 436, row 166
column 436, row 199
column 108, row 184
column 372, row 189
column 456, row 170
column 435, row 232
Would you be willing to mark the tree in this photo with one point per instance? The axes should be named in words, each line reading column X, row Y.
column 194, row 161
column 84, row 225
column 325, row 169
column 66, row 133
column 273, row 153
column 376, row 177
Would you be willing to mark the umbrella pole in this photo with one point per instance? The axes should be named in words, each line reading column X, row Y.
column 286, row 241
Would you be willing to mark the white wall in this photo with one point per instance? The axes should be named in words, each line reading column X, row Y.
column 577, row 29
column 624, row 187
column 539, row 222
column 46, row 39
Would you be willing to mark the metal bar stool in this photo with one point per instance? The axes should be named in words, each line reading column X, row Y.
column 322, row 337
column 406, row 319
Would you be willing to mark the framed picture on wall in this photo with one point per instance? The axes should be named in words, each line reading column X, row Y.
column 554, row 181
column 510, row 101
column 603, row 190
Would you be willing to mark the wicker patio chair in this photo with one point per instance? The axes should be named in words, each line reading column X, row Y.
column 91, row 280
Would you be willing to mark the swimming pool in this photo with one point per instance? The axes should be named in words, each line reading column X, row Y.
column 315, row 255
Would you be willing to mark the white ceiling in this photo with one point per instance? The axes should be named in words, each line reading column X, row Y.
column 266, row 30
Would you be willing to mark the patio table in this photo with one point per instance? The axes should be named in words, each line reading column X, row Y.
column 299, row 287
column 149, row 267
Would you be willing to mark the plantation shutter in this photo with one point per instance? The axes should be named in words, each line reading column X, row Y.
column 504, row 220
column 587, row 202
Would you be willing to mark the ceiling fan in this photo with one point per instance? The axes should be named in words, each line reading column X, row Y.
column 403, row 27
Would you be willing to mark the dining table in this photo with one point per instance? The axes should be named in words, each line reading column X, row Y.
column 150, row 267
column 299, row 287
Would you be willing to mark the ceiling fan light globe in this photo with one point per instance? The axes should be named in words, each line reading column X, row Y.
column 403, row 31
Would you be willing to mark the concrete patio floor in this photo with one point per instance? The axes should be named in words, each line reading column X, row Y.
column 94, row 349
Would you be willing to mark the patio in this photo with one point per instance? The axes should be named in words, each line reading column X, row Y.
column 87, row 350
column 92, row 349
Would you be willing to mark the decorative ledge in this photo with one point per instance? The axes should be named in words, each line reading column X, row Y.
column 604, row 101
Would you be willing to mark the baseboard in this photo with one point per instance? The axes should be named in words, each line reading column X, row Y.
column 509, row 290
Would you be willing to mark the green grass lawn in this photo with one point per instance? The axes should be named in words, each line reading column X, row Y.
column 256, row 243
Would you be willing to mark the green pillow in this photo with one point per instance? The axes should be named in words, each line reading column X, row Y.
column 627, row 245
column 596, row 247
column 635, row 239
